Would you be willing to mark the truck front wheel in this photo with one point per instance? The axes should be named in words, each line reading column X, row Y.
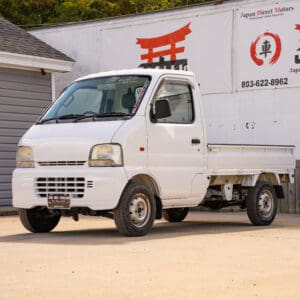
column 175, row 214
column 261, row 204
column 135, row 213
column 39, row 219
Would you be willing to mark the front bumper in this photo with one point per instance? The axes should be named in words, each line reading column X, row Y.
column 102, row 186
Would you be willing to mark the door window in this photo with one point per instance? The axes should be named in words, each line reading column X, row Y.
column 180, row 99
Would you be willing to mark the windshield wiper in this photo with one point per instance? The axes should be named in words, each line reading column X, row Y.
column 113, row 114
column 63, row 117
column 103, row 115
column 79, row 117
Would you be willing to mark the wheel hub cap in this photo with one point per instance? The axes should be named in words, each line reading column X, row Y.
column 139, row 210
column 265, row 203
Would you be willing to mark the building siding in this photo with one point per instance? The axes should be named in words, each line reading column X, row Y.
column 24, row 95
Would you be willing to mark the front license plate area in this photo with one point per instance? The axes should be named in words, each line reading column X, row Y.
column 58, row 201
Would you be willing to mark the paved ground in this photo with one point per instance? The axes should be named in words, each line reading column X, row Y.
column 209, row 256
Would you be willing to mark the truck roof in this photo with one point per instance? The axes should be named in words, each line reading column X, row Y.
column 138, row 71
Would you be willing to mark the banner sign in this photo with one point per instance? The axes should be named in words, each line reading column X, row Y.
column 267, row 47
column 193, row 43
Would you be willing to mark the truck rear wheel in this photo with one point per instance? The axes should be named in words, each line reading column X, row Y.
column 261, row 204
column 175, row 214
column 135, row 213
column 39, row 219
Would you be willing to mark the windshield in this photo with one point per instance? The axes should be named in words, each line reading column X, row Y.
column 115, row 96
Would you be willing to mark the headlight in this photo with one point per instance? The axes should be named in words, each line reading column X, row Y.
column 25, row 157
column 106, row 155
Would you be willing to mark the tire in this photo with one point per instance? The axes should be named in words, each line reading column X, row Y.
column 175, row 214
column 135, row 213
column 38, row 219
column 261, row 204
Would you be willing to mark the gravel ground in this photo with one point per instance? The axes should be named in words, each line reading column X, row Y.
column 209, row 256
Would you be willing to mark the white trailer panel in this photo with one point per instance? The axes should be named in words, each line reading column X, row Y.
column 218, row 49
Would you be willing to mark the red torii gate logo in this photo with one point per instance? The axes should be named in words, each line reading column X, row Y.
column 165, row 40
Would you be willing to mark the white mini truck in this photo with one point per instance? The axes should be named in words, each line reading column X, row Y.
column 131, row 145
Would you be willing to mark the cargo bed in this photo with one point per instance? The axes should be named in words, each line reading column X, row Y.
column 249, row 159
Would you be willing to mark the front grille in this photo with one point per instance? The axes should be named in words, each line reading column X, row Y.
column 61, row 163
column 73, row 186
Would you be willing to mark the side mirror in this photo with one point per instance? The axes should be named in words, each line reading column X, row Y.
column 162, row 109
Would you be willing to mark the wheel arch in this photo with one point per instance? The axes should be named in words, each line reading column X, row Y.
column 149, row 181
column 269, row 177
column 274, row 180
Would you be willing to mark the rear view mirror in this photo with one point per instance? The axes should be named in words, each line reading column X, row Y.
column 162, row 109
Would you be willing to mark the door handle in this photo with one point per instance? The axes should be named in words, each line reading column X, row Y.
column 196, row 141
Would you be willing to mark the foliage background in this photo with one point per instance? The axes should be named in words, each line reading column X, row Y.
column 30, row 13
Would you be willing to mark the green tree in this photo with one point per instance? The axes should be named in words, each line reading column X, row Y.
column 37, row 12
